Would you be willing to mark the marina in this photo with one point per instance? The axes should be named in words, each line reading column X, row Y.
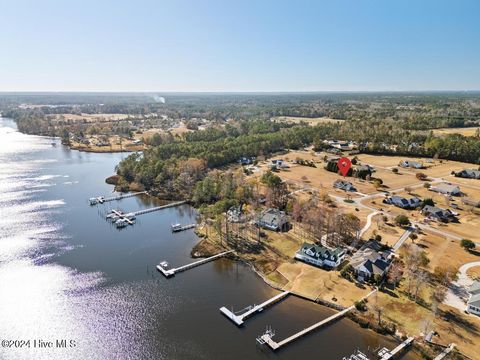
column 163, row 266
column 251, row 310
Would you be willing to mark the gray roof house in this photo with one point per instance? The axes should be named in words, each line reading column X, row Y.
column 469, row 174
column 436, row 213
column 370, row 261
column 402, row 202
column 411, row 164
column 473, row 304
column 320, row 255
column 447, row 189
column 344, row 185
column 273, row 219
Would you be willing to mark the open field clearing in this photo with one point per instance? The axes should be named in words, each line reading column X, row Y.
column 91, row 117
column 465, row 131
column 310, row 121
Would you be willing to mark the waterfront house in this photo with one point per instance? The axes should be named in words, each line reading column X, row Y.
column 344, row 185
column 410, row 164
column 469, row 174
column 435, row 213
column 473, row 304
column 273, row 219
column 370, row 261
column 402, row 202
column 320, row 256
column 446, row 189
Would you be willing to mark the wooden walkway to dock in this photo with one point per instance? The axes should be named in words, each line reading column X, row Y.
column 171, row 272
column 267, row 338
column 239, row 319
column 146, row 211
column 445, row 352
column 386, row 354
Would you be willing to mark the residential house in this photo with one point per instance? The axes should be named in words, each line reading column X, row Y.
column 469, row 174
column 344, row 185
column 446, row 189
column 273, row 219
column 473, row 303
column 402, row 202
column 320, row 256
column 370, row 261
column 278, row 164
column 234, row 214
column 435, row 213
column 246, row 160
column 410, row 164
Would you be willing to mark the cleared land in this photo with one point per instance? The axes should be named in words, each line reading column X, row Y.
column 469, row 131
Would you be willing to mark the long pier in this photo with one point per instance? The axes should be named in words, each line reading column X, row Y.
column 101, row 199
column 386, row 354
column 146, row 211
column 171, row 272
column 267, row 337
column 239, row 319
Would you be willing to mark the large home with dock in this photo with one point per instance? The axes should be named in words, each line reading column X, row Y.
column 370, row 261
column 468, row 173
column 446, row 189
column 273, row 219
column 473, row 304
column 435, row 213
column 402, row 202
column 320, row 256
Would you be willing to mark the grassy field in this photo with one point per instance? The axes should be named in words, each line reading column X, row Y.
column 90, row 117
column 310, row 121
column 469, row 131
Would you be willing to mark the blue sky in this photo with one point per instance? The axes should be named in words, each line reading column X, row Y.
column 243, row 45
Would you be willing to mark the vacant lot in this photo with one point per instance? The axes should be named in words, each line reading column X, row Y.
column 316, row 283
column 469, row 131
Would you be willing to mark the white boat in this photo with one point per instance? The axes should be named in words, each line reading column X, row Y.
column 164, row 264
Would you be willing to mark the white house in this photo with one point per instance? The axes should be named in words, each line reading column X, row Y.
column 473, row 304
column 410, row 164
column 320, row 256
column 370, row 260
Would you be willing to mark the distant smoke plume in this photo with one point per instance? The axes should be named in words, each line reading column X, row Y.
column 159, row 99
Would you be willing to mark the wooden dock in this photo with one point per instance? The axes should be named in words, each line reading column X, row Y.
column 171, row 272
column 445, row 352
column 239, row 319
column 267, row 337
column 101, row 199
column 183, row 228
column 121, row 219
column 386, row 354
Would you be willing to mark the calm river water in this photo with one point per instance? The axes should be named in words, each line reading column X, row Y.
column 65, row 273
